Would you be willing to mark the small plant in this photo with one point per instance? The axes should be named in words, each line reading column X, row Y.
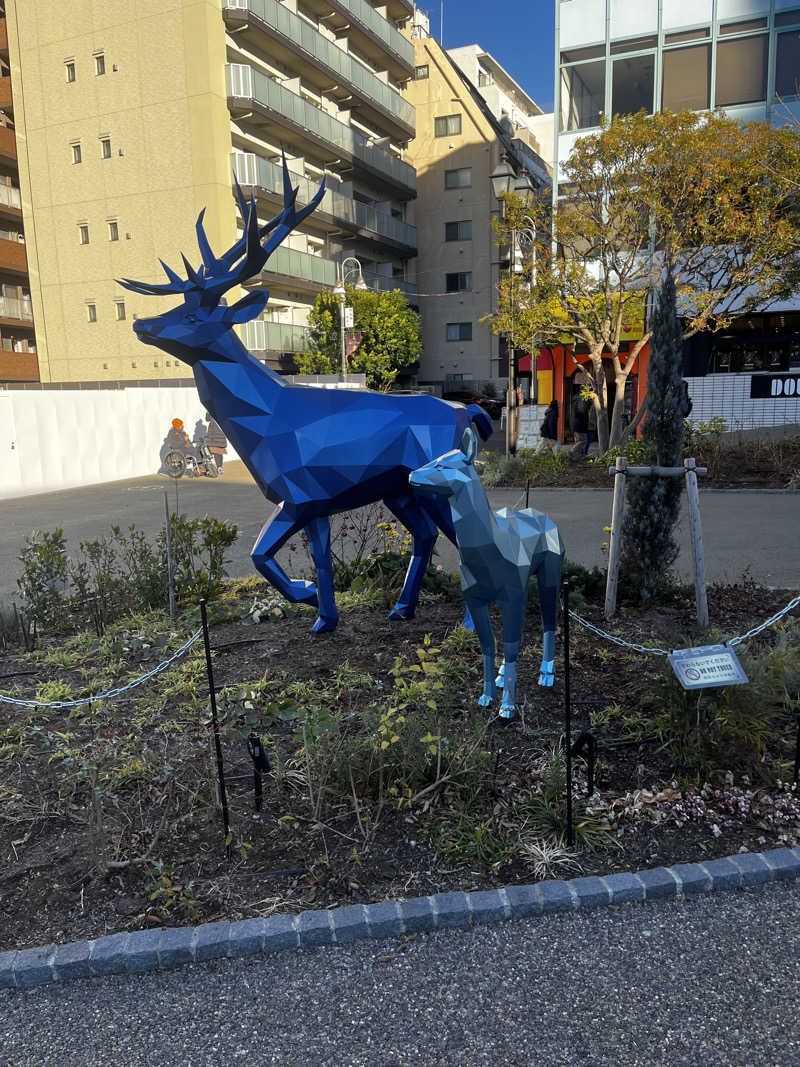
column 547, row 859
column 173, row 899
column 545, row 812
column 461, row 837
column 45, row 572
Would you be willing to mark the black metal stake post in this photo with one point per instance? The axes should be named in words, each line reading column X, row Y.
column 797, row 753
column 260, row 764
column 223, row 797
column 567, row 716
column 527, row 491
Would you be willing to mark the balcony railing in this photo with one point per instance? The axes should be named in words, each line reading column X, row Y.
column 258, row 172
column 5, row 93
column 12, row 256
column 9, row 195
column 249, row 84
column 8, row 145
column 363, row 13
column 18, row 366
column 323, row 271
column 345, row 67
column 260, row 336
column 12, row 307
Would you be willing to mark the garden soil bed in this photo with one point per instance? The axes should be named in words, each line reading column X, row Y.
column 82, row 856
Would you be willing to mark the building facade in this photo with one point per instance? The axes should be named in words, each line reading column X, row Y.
column 133, row 117
column 743, row 56
column 462, row 135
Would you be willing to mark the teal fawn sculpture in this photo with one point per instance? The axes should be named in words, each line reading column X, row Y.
column 499, row 550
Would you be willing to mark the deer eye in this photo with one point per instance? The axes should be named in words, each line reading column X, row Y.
column 191, row 318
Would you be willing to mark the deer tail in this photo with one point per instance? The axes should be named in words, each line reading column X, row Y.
column 483, row 424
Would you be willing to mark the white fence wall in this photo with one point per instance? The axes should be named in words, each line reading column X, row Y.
column 728, row 396
column 61, row 438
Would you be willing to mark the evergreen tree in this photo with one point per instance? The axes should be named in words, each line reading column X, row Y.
column 654, row 503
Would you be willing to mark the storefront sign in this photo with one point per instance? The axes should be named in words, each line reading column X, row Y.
column 774, row 386
column 707, row 666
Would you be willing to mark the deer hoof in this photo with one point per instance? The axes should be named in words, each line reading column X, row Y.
column 545, row 679
column 324, row 626
column 484, row 701
column 398, row 613
column 508, row 711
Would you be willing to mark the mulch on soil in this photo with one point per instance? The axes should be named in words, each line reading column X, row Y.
column 66, row 870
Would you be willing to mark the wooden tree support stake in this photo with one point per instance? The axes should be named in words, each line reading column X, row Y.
column 693, row 499
column 615, row 541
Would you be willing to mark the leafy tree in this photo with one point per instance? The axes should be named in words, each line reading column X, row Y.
column 389, row 330
column 704, row 194
column 654, row 503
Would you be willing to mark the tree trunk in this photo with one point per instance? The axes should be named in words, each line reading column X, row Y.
column 617, row 436
column 600, row 401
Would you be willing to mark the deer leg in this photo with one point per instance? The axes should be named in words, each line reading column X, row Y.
column 483, row 628
column 548, row 578
column 319, row 536
column 275, row 532
column 513, row 612
column 423, row 534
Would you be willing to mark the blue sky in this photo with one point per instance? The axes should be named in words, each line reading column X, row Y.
column 520, row 36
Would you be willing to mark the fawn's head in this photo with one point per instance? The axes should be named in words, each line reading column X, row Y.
column 447, row 474
column 189, row 330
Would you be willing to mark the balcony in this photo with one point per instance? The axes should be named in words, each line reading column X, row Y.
column 274, row 106
column 12, row 257
column 5, row 95
column 15, row 311
column 8, row 147
column 341, row 211
column 374, row 35
column 3, row 37
column 315, row 273
column 279, row 337
column 322, row 61
column 18, row 366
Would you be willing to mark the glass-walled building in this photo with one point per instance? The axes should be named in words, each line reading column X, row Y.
column 743, row 56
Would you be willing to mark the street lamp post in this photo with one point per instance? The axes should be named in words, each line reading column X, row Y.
column 340, row 293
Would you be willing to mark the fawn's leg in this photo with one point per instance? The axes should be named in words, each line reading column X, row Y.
column 483, row 628
column 513, row 611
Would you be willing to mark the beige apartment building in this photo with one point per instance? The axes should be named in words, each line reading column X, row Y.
column 461, row 138
column 131, row 116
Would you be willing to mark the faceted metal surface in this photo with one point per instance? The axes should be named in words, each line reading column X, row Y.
column 499, row 551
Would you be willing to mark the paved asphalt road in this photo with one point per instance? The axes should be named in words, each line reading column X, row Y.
column 755, row 531
column 711, row 981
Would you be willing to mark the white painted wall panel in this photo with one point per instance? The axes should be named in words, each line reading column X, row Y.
column 727, row 396
column 581, row 22
column 633, row 20
column 679, row 13
column 66, row 438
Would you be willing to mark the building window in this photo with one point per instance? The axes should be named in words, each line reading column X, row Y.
column 583, row 95
column 458, row 231
column 632, row 85
column 119, row 306
column 741, row 71
column 105, row 148
column 633, row 44
column 83, row 233
column 69, row 67
column 447, row 126
column 105, row 366
column 76, row 152
column 99, row 63
column 458, row 179
column 113, row 230
column 91, row 312
column 421, row 73
column 459, row 331
column 743, row 27
column 787, row 63
column 686, row 79
column 458, row 282
column 484, row 79
column 686, row 35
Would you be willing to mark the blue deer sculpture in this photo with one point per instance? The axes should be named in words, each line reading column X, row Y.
column 312, row 452
column 499, row 551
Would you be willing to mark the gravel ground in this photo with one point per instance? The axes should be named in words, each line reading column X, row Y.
column 712, row 980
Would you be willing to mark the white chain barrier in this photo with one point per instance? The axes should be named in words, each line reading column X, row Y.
column 111, row 693
column 662, row 652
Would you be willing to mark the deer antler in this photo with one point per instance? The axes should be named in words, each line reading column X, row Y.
column 244, row 259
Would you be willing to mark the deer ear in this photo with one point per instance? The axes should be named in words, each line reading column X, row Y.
column 469, row 445
column 249, row 307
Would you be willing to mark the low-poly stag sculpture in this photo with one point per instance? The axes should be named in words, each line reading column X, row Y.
column 311, row 451
column 499, row 551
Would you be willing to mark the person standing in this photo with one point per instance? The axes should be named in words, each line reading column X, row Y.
column 580, row 418
column 549, row 429
column 216, row 441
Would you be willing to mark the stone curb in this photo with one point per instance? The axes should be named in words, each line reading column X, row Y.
column 150, row 950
